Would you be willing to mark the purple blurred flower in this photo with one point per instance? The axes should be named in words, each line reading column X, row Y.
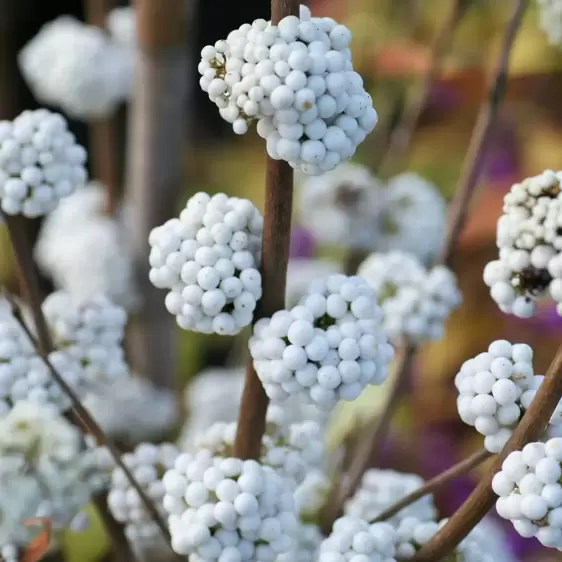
column 303, row 244
column 545, row 317
column 442, row 96
column 503, row 157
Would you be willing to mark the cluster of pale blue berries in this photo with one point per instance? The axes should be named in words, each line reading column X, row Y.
column 40, row 163
column 207, row 259
column 296, row 79
column 326, row 349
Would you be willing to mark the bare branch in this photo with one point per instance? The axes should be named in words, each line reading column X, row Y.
column 472, row 168
column 479, row 143
column 402, row 134
column 435, row 483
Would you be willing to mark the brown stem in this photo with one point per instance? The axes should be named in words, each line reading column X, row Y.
column 530, row 428
column 155, row 172
column 104, row 154
column 274, row 261
column 472, row 168
column 435, row 483
column 371, row 445
column 79, row 414
column 120, row 548
column 401, row 136
column 478, row 148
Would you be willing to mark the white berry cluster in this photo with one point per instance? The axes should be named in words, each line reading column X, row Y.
column 90, row 332
column 495, row 388
column 148, row 464
column 326, row 349
column 530, row 493
column 307, row 542
column 412, row 216
column 214, row 396
column 296, row 79
column 40, row 163
column 292, row 451
column 229, row 510
column 350, row 207
column 380, row 489
column 353, row 539
column 43, row 460
column 413, row 533
column 77, row 67
column 208, row 259
column 341, row 207
column 415, row 301
column 491, row 387
column 530, row 246
column 85, row 251
column 550, row 20
column 122, row 26
column 302, row 272
column 133, row 409
column 24, row 376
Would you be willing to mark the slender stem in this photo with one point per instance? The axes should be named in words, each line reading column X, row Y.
column 478, row 148
column 372, row 441
column 435, row 483
column 104, row 154
column 156, row 145
column 530, row 428
column 472, row 168
column 79, row 414
column 401, row 136
column 274, row 262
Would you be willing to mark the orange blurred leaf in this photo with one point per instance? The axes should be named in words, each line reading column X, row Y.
column 402, row 59
column 39, row 546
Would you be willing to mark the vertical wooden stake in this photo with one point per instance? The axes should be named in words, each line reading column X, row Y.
column 156, row 144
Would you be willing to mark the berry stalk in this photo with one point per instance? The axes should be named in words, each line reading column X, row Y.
column 463, row 467
column 274, row 262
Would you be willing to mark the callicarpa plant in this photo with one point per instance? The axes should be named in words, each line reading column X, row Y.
column 252, row 476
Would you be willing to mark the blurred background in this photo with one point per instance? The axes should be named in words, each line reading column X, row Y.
column 391, row 47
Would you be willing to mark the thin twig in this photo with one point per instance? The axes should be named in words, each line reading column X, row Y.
column 80, row 415
column 530, row 428
column 478, row 149
column 435, row 483
column 367, row 450
column 472, row 169
column 274, row 262
column 401, row 136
